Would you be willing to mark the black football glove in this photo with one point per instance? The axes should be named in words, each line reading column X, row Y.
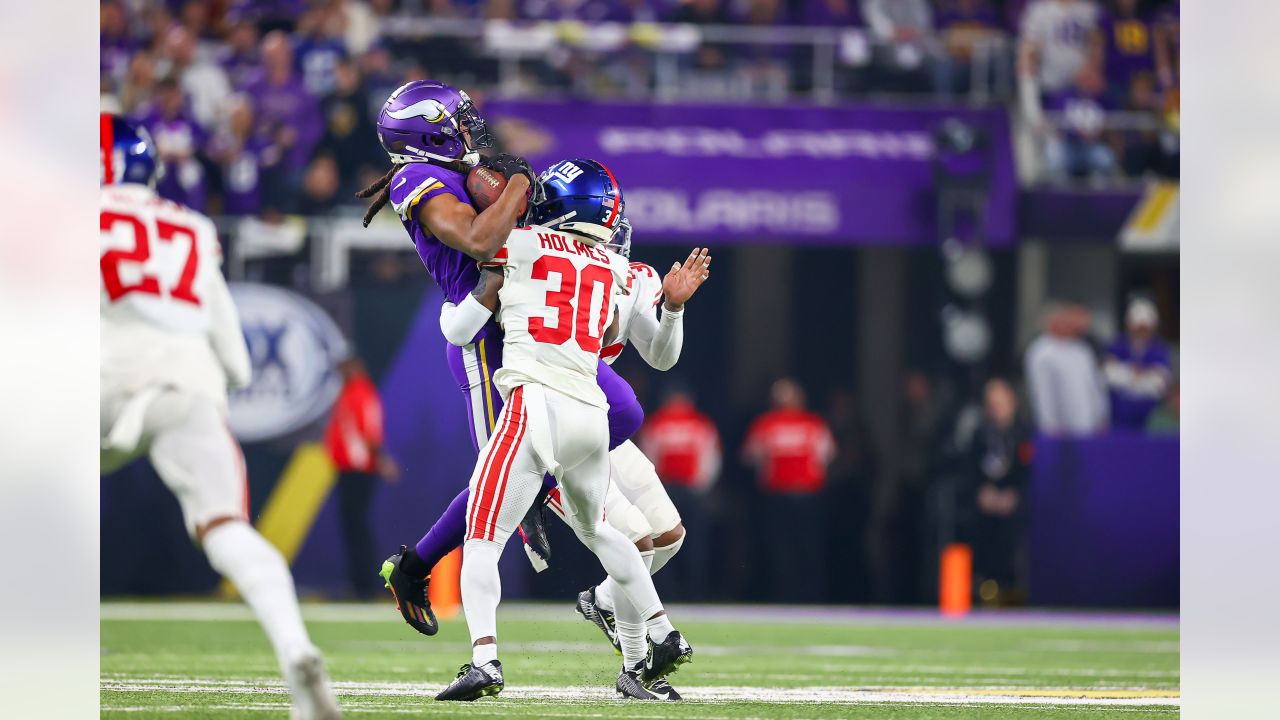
column 509, row 166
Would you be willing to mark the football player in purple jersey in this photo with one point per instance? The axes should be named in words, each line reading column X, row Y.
column 433, row 134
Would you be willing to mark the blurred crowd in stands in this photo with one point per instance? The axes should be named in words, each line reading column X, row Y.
column 264, row 107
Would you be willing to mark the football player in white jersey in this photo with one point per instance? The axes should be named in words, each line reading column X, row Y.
column 558, row 311
column 171, row 346
column 636, row 504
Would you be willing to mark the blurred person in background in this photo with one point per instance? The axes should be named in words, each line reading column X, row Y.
column 354, row 442
column 194, row 16
column 1058, row 40
column 1077, row 143
column 349, row 130
column 203, row 81
column 905, row 45
column 139, row 84
column 850, row 479
column 964, row 26
column 289, row 114
column 791, row 447
column 320, row 185
column 684, row 446
column 178, row 138
column 239, row 57
column 706, row 12
column 360, row 22
column 998, row 470
column 1168, row 417
column 1068, row 393
column 897, row 544
column 320, row 44
column 1168, row 46
column 1137, row 367
column 1130, row 48
column 115, row 45
column 241, row 154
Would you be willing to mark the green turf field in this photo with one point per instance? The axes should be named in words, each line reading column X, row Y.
column 209, row 660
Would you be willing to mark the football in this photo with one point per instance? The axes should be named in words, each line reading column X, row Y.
column 485, row 186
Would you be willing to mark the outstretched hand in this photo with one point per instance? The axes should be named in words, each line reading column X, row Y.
column 682, row 281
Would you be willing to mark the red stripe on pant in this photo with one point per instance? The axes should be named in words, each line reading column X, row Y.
column 522, row 424
column 491, row 475
column 495, row 449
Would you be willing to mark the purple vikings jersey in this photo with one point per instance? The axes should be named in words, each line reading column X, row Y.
column 1130, row 408
column 415, row 183
column 1130, row 51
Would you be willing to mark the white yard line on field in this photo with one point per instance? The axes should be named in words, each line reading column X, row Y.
column 768, row 614
column 713, row 694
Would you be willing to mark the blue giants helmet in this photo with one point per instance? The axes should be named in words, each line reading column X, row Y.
column 581, row 198
column 128, row 154
column 424, row 120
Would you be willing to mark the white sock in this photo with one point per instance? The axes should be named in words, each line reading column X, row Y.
column 481, row 654
column 663, row 555
column 659, row 628
column 630, row 622
column 481, row 588
column 605, row 594
column 261, row 576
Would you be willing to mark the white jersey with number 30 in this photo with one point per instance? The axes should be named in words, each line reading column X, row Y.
column 557, row 300
column 167, row 316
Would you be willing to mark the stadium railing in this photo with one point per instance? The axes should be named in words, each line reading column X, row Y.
column 666, row 46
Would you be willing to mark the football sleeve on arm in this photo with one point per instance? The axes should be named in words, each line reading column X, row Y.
column 658, row 338
column 461, row 322
column 226, row 336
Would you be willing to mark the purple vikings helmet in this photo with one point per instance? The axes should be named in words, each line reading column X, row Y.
column 424, row 120
column 582, row 197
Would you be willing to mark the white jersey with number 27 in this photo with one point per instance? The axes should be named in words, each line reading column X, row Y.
column 167, row 316
column 557, row 300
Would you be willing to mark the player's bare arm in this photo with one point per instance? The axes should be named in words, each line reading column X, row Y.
column 479, row 235
column 682, row 281
column 486, row 290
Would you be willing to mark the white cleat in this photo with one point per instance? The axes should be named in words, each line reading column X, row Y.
column 313, row 697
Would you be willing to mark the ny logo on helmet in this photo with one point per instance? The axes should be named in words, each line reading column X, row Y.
column 564, row 173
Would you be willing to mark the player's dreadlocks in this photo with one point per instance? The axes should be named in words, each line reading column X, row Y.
column 380, row 189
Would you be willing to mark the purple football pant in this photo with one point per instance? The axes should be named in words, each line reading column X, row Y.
column 473, row 367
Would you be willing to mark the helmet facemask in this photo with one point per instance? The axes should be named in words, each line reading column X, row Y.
column 621, row 241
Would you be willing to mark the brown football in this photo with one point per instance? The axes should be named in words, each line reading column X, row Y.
column 485, row 186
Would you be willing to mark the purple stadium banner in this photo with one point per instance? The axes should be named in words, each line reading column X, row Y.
column 758, row 173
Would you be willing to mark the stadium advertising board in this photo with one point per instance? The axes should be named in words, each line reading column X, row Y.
column 294, row 346
column 696, row 173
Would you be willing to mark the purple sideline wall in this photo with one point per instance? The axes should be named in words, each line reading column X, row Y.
column 1104, row 521
column 723, row 173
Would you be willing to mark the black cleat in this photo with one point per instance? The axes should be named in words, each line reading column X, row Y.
column 474, row 683
column 663, row 690
column 410, row 593
column 602, row 618
column 665, row 658
column 629, row 686
column 533, row 529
